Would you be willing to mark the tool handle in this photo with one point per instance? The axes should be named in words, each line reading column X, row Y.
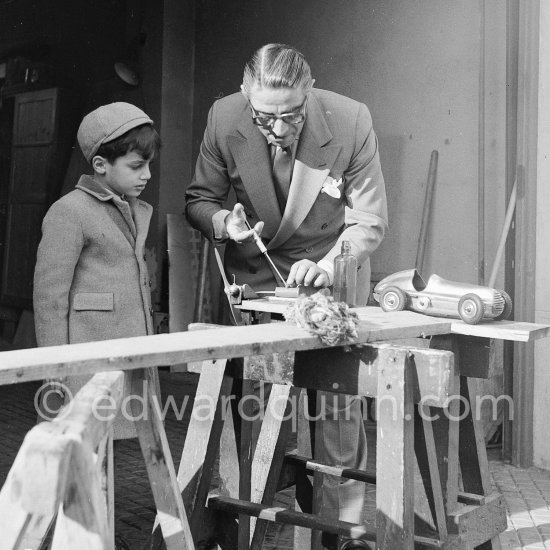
column 257, row 239
column 263, row 250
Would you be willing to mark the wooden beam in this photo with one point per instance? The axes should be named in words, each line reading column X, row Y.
column 82, row 518
column 478, row 524
column 426, row 454
column 106, row 471
column 43, row 460
column 357, row 372
column 270, row 451
column 168, row 349
column 20, row 529
column 515, row 331
column 160, row 467
column 202, row 432
column 395, row 452
column 183, row 347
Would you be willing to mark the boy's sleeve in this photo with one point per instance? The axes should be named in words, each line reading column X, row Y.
column 57, row 257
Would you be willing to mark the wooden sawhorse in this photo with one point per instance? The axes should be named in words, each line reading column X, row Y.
column 441, row 440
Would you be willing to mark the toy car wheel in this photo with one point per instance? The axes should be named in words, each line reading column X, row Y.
column 506, row 312
column 471, row 309
column 393, row 299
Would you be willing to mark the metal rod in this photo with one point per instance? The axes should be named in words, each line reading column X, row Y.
column 226, row 285
column 221, row 268
column 263, row 250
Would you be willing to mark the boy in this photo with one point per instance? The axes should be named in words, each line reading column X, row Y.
column 91, row 281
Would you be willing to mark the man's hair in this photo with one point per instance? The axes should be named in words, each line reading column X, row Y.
column 277, row 66
column 143, row 139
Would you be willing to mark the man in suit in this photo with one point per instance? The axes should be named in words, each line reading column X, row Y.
column 305, row 169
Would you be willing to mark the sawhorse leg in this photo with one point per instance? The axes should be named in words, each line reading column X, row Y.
column 395, row 452
column 158, row 461
column 474, row 465
column 479, row 530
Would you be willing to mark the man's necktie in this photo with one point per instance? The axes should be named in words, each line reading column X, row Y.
column 282, row 168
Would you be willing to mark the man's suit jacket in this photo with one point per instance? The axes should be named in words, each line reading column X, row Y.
column 337, row 191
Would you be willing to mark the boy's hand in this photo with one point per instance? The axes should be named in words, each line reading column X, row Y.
column 236, row 227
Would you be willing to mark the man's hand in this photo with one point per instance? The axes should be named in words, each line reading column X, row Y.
column 306, row 272
column 236, row 227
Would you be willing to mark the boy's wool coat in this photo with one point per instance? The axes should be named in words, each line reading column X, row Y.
column 91, row 281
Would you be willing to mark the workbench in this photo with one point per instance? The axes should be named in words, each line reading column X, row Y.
column 454, row 505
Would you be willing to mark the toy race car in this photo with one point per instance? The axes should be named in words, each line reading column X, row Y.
column 442, row 298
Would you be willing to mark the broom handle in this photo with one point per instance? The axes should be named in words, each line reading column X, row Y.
column 504, row 234
column 432, row 173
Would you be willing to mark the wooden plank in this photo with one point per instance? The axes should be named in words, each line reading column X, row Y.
column 158, row 461
column 196, row 366
column 478, row 524
column 267, row 440
column 182, row 347
column 305, row 439
column 357, row 372
column 20, row 529
column 105, row 469
column 92, row 411
column 229, row 473
column 445, row 429
column 41, row 466
column 394, row 452
column 277, row 368
column 82, row 518
column 474, row 465
column 371, row 314
column 245, row 426
column 426, row 455
column 201, row 432
column 270, row 452
column 503, row 330
column 201, row 446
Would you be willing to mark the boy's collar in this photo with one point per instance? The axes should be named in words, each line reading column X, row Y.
column 91, row 186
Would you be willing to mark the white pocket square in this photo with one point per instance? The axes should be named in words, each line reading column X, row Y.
column 331, row 187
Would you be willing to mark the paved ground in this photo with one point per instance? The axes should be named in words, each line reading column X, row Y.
column 527, row 491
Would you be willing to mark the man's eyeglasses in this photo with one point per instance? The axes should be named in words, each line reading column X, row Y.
column 265, row 119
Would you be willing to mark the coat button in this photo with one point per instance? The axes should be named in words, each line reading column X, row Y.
column 324, row 226
column 150, row 283
column 309, row 249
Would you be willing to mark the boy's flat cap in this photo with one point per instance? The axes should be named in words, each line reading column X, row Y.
column 107, row 123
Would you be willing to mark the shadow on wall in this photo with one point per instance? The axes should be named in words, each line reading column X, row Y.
column 398, row 248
